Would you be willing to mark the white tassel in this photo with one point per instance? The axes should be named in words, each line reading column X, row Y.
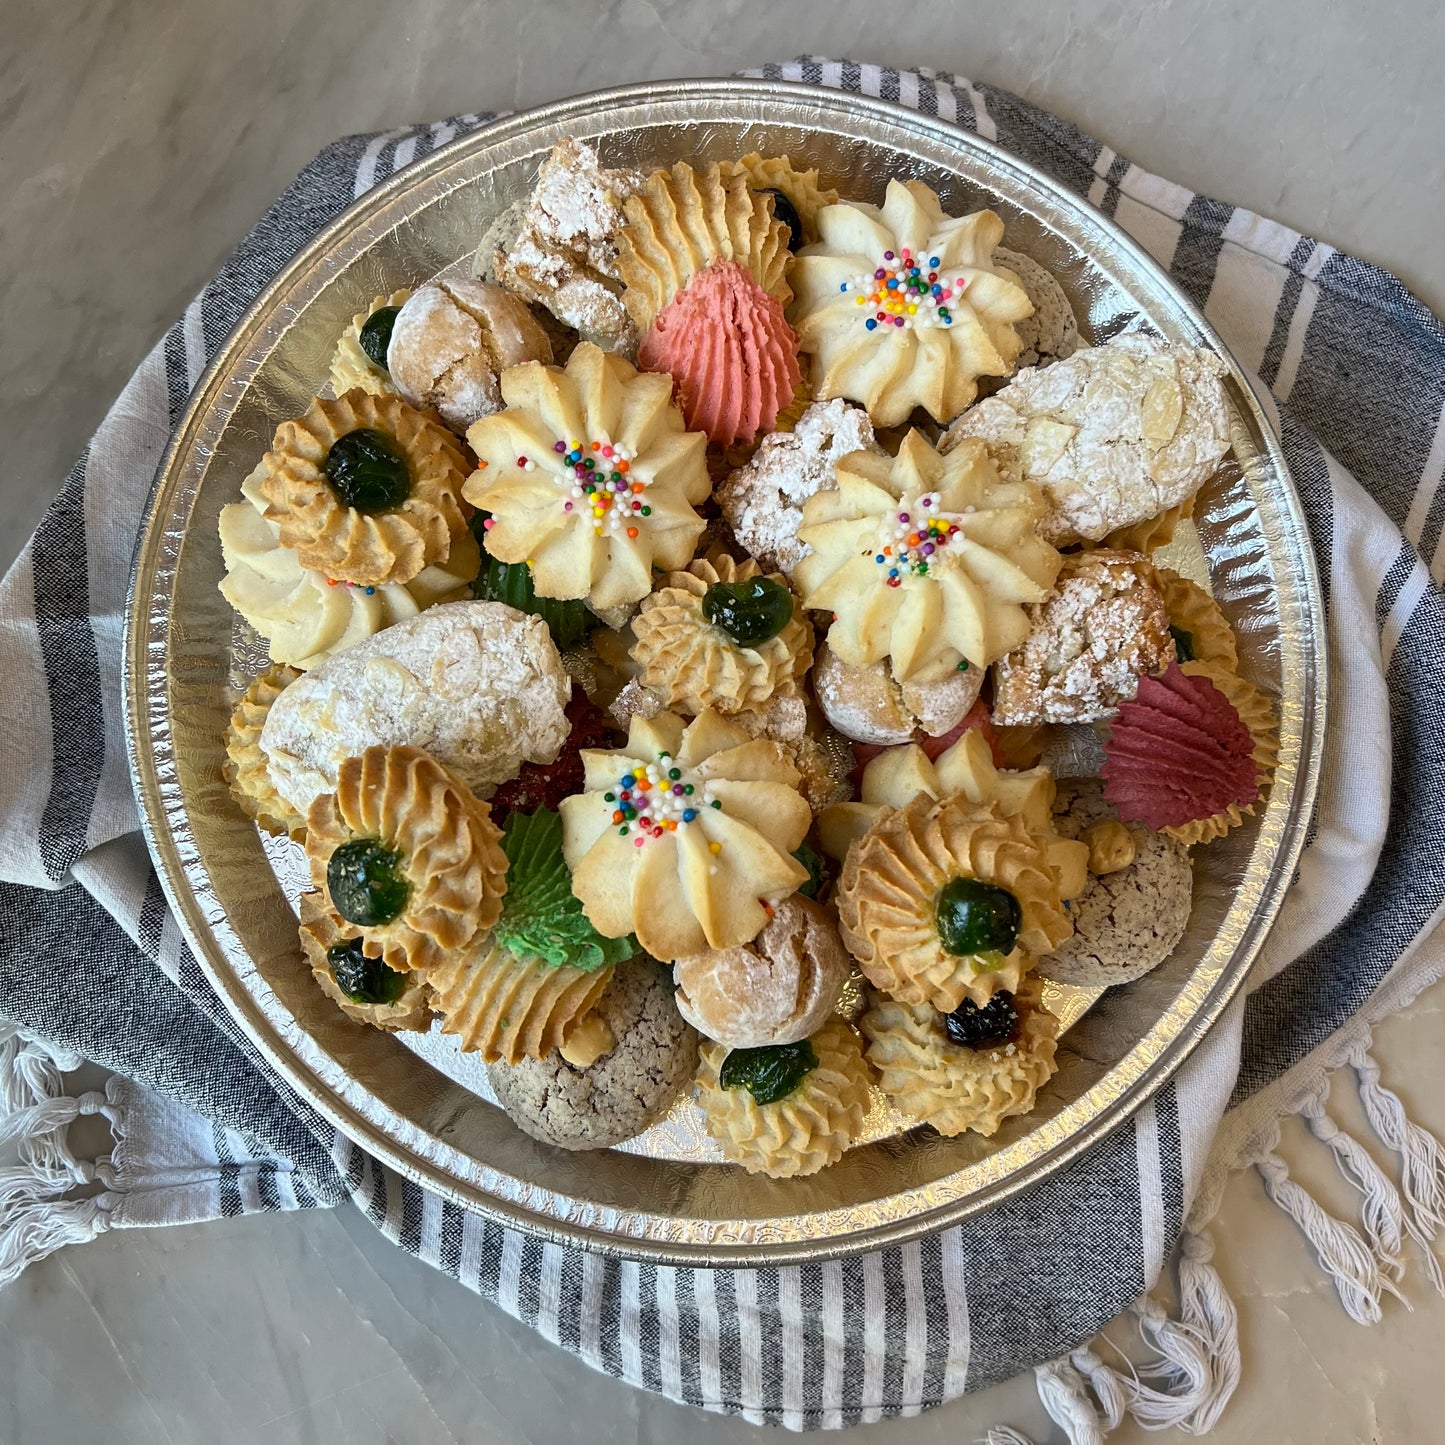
column 1182, row 1369
column 1106, row 1383
column 1004, row 1435
column 1422, row 1158
column 28, row 1234
column 1345, row 1257
column 1206, row 1308
column 1381, row 1212
column 1065, row 1396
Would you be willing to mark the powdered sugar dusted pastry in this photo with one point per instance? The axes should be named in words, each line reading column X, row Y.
column 365, row 488
column 408, row 856
column 1113, row 435
column 360, row 356
column 942, row 901
column 685, row 835
column 563, row 254
column 926, row 561
column 904, row 306
column 1102, row 628
column 720, row 634
column 969, row 1070
column 590, row 478
column 763, row 500
column 363, row 988
column 245, row 767
column 865, row 704
column 1135, row 907
column 810, row 1101
column 477, row 684
column 1052, row 332
column 650, row 1059
column 777, row 989
column 306, row 616
column 450, row 343
column 508, row 1008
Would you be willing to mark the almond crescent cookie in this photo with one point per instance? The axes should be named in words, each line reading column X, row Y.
column 721, row 635
column 364, row 989
column 351, row 365
column 685, row 835
column 406, row 854
column 904, row 306
column 804, row 1131
column 957, row 1086
column 590, row 478
column 1102, row 628
column 1114, row 435
column 366, row 489
column 942, row 901
column 924, row 560
column 245, row 767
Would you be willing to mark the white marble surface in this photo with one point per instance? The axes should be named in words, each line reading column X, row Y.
column 139, row 140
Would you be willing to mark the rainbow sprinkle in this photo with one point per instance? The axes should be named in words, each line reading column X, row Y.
column 906, row 291
column 655, row 800
column 911, row 538
column 596, row 477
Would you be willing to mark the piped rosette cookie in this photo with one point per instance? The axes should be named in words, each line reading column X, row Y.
column 685, row 835
column 590, row 477
column 1193, row 754
column 705, row 261
column 245, row 769
column 721, row 635
column 904, row 306
column 925, row 561
column 407, row 855
column 797, row 195
column 971, row 1068
column 942, row 901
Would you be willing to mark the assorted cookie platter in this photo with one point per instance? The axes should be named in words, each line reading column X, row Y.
column 738, row 634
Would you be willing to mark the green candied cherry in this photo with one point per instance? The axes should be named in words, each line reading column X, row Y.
column 1183, row 643
column 977, row 919
column 376, row 335
column 365, row 881
column 363, row 979
column 769, row 1073
column 367, row 472
column 750, row 612
column 818, row 872
column 991, row 1027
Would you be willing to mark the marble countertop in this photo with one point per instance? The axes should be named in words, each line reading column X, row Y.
column 138, row 142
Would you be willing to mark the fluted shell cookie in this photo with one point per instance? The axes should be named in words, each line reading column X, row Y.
column 800, row 188
column 720, row 634
column 1201, row 633
column 651, row 1056
column 508, row 1008
column 378, row 995
column 804, row 1131
column 351, row 364
column 366, row 489
column 1129, row 919
column 408, row 855
column 245, row 767
column 1114, row 435
column 924, row 560
column 869, row 316
column 305, row 616
column 590, row 477
column 909, row 883
column 957, row 1086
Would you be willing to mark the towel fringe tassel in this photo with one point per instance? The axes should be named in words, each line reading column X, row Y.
column 36, row 1215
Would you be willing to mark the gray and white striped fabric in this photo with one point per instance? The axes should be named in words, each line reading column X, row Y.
column 92, row 964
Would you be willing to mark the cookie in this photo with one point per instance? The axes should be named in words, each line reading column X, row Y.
column 1052, row 332
column 622, row 1091
column 1126, row 922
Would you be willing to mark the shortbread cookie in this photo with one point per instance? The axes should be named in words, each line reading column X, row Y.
column 245, row 767
column 360, row 355
column 653, row 1054
column 1102, row 628
column 763, row 500
column 1128, row 920
column 1052, row 332
column 477, row 684
column 363, row 988
column 1114, row 435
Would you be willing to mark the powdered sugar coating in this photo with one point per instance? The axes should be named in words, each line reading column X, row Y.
column 763, row 501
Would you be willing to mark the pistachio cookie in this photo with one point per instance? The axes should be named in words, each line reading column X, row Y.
column 648, row 1053
column 1135, row 906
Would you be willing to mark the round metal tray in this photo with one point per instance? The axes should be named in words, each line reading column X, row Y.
column 418, row 1108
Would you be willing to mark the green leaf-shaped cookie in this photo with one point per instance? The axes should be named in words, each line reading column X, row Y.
column 540, row 915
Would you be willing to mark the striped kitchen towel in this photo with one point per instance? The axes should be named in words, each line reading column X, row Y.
column 94, row 966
